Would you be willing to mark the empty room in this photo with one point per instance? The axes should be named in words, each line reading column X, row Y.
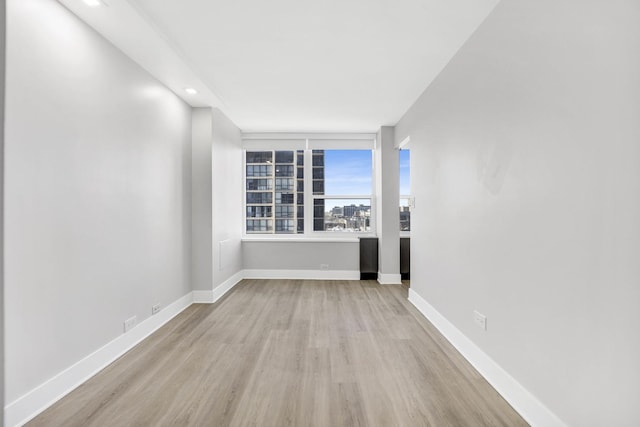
column 334, row 213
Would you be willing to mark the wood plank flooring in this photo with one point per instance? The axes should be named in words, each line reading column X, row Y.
column 290, row 353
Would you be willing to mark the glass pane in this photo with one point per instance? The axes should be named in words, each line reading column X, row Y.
column 405, row 183
column 285, row 226
column 259, row 198
column 318, row 173
column 341, row 215
column 258, row 211
column 405, row 215
column 346, row 172
column 318, row 157
column 284, row 157
column 284, row 170
column 259, row 170
column 258, row 184
column 284, row 183
column 270, row 191
column 318, row 187
column 259, row 156
column 259, row 225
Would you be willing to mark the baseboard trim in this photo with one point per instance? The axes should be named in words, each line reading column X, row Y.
column 209, row 297
column 303, row 274
column 202, row 297
column 25, row 408
column 389, row 279
column 526, row 404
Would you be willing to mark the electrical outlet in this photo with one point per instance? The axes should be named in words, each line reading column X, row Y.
column 130, row 323
column 155, row 309
column 480, row 319
column 324, row 266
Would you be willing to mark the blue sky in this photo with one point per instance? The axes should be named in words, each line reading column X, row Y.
column 348, row 172
column 405, row 187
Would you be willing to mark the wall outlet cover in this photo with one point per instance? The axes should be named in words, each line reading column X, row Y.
column 480, row 320
column 130, row 323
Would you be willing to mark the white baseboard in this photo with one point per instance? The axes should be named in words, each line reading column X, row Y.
column 209, row 297
column 525, row 403
column 389, row 279
column 303, row 274
column 23, row 409
column 203, row 297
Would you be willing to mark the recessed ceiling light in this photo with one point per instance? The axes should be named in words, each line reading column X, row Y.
column 191, row 91
column 93, row 3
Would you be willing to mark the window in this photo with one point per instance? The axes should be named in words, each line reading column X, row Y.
column 339, row 198
column 405, row 191
column 284, row 170
column 259, row 211
column 285, row 212
column 259, row 157
column 258, row 184
column 259, row 170
column 258, row 226
column 272, row 195
column 284, row 184
column 342, row 183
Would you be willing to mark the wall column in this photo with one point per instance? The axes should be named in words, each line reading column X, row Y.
column 201, row 218
column 387, row 202
column 2, row 56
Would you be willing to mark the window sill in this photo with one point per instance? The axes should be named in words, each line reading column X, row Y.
column 332, row 239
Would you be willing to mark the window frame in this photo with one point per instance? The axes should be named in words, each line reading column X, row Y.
column 307, row 145
column 404, row 146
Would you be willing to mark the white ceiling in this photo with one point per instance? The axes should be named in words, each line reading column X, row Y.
column 293, row 65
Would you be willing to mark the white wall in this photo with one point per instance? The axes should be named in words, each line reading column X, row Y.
column 97, row 193
column 387, row 177
column 526, row 169
column 2, row 65
column 339, row 256
column 201, row 215
column 227, row 198
column 217, row 199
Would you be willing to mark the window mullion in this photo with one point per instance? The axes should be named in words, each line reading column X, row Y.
column 308, row 193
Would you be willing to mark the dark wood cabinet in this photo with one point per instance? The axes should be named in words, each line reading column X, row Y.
column 405, row 258
column 368, row 258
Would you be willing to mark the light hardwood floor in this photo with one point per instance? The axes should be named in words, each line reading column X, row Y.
column 290, row 353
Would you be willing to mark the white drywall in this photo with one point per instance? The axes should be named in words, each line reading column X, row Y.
column 525, row 160
column 387, row 201
column 227, row 180
column 2, row 65
column 201, row 215
column 341, row 256
column 97, row 198
column 217, row 199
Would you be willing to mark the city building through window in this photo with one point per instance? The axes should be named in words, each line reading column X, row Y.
column 339, row 200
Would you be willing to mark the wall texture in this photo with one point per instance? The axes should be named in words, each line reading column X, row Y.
column 226, row 190
column 340, row 256
column 217, row 199
column 525, row 165
column 201, row 216
column 387, row 177
column 2, row 68
column 97, row 193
